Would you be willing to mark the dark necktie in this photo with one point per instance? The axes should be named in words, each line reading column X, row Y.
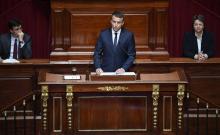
column 115, row 40
column 15, row 53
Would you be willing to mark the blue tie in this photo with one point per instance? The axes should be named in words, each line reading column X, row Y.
column 115, row 40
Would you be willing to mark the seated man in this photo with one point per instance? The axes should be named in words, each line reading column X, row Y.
column 15, row 44
column 115, row 48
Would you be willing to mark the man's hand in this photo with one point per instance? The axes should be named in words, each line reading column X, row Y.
column 99, row 71
column 120, row 71
column 20, row 36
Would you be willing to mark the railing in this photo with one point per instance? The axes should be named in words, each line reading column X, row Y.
column 200, row 116
column 22, row 118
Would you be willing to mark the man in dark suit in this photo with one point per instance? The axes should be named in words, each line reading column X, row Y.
column 115, row 48
column 15, row 44
column 198, row 44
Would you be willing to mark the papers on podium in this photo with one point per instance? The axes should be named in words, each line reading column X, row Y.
column 112, row 76
column 10, row 61
column 114, row 73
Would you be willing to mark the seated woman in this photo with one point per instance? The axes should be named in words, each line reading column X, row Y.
column 198, row 44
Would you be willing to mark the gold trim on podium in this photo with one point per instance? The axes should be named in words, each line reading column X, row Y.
column 155, row 96
column 180, row 97
column 44, row 97
column 112, row 88
column 69, row 98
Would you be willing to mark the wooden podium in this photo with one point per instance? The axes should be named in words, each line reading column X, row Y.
column 150, row 104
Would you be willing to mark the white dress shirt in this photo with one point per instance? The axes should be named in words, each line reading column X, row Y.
column 12, row 46
column 113, row 35
column 199, row 43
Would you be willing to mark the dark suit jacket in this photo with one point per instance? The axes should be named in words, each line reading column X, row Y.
column 5, row 46
column 190, row 47
column 110, row 58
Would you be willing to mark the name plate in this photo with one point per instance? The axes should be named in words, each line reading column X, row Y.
column 72, row 77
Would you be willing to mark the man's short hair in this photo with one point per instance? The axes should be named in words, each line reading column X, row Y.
column 118, row 14
column 13, row 23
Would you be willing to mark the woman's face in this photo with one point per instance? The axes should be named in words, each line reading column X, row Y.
column 198, row 26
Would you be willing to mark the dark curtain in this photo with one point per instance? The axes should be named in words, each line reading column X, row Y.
column 180, row 21
column 35, row 17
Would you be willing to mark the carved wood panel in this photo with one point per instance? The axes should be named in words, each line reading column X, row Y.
column 76, row 26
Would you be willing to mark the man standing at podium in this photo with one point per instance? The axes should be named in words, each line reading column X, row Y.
column 115, row 48
column 16, row 44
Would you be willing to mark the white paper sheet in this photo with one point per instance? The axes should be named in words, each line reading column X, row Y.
column 114, row 73
column 10, row 61
column 72, row 77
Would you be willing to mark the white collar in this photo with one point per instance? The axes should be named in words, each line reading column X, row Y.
column 118, row 32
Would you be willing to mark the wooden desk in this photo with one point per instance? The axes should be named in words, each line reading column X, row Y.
column 141, row 107
column 17, row 80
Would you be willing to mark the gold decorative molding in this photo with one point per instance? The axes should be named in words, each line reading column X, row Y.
column 155, row 96
column 44, row 97
column 180, row 96
column 69, row 98
column 113, row 88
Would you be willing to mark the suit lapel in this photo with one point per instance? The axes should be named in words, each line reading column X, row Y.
column 203, row 41
column 110, row 38
column 195, row 42
column 9, row 43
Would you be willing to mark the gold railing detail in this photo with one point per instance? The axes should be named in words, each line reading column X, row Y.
column 155, row 96
column 44, row 97
column 112, row 88
column 69, row 98
column 180, row 96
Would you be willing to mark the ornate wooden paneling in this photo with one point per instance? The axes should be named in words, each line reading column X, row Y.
column 87, row 26
column 57, row 114
column 161, row 29
column 207, row 86
column 112, row 113
column 203, row 76
column 203, row 80
column 60, row 30
column 12, row 88
column 120, row 106
column 15, row 82
column 167, row 113
column 76, row 26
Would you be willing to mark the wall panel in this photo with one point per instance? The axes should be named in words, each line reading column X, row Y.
column 76, row 26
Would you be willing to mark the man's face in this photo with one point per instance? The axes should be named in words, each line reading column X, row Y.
column 15, row 30
column 117, row 23
column 198, row 26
